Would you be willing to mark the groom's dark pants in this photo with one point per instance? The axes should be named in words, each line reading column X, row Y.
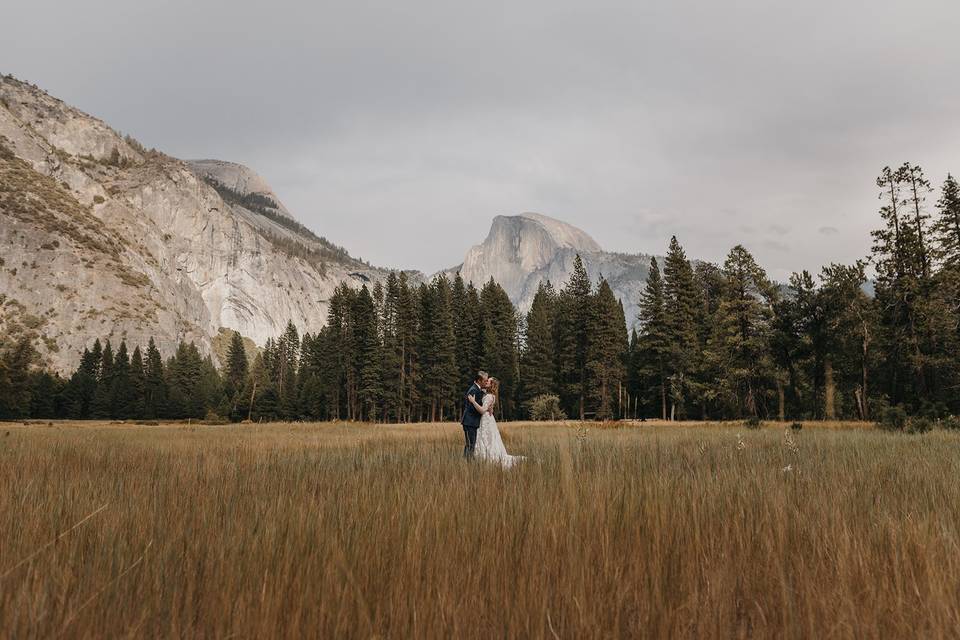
column 470, row 441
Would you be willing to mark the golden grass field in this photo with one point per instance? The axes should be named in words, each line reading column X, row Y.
column 336, row 530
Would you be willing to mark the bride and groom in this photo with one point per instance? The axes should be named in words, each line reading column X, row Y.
column 480, row 432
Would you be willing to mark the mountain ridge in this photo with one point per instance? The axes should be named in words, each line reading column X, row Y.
column 103, row 238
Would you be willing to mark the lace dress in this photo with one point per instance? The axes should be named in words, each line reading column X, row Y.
column 489, row 443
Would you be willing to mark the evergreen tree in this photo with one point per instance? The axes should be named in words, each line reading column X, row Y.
column 437, row 348
column 368, row 356
column 138, row 384
column 393, row 350
column 904, row 284
column 287, row 357
column 740, row 344
column 15, row 366
column 83, row 384
column 709, row 281
column 500, row 356
column 465, row 309
column 680, row 309
column 155, row 384
column 946, row 229
column 342, row 352
column 408, row 322
column 572, row 335
column 188, row 387
column 45, row 390
column 237, row 365
column 102, row 406
column 607, row 346
column 537, row 363
column 122, row 400
column 654, row 337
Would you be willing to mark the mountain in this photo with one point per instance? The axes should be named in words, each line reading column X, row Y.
column 101, row 237
column 523, row 250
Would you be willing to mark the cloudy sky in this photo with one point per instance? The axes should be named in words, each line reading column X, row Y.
column 399, row 129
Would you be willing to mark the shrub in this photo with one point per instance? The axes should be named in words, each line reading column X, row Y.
column 893, row 418
column 933, row 410
column 213, row 418
column 796, row 426
column 753, row 422
column 951, row 422
column 98, row 199
column 546, row 407
column 919, row 424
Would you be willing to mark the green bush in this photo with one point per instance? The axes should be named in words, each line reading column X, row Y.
column 893, row 418
column 546, row 407
column 919, row 424
column 213, row 418
column 951, row 422
column 933, row 410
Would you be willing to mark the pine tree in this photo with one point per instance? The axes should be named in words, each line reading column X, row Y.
column 946, row 229
column 155, row 384
column 369, row 357
column 102, row 405
column 654, row 337
column 83, row 384
column 903, row 283
column 537, row 364
column 740, row 344
column 138, row 384
column 572, row 335
column 437, row 347
column 286, row 359
column 466, row 329
column 408, row 323
column 680, row 308
column 237, row 365
column 605, row 352
column 393, row 354
column 917, row 188
column 342, row 352
column 46, row 394
column 121, row 398
column 15, row 367
column 500, row 355
column 709, row 281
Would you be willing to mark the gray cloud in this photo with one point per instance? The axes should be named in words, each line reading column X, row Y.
column 401, row 129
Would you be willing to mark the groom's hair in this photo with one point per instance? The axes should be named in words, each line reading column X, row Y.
column 482, row 375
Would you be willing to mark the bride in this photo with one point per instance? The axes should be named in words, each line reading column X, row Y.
column 489, row 443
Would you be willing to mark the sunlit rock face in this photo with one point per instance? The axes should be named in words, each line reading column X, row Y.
column 522, row 251
column 102, row 238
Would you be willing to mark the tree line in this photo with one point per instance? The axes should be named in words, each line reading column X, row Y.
column 711, row 342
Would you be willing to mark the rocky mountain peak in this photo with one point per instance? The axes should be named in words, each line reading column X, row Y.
column 239, row 179
column 562, row 234
column 521, row 251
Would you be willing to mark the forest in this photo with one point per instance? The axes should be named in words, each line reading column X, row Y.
column 713, row 341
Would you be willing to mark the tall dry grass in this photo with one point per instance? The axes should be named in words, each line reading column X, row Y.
column 340, row 531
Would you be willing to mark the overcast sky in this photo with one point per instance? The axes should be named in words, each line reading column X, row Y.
column 400, row 129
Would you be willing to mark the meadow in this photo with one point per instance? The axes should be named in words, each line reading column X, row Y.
column 346, row 530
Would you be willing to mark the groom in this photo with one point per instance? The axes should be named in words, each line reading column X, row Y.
column 471, row 417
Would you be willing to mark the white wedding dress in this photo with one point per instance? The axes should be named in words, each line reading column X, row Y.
column 489, row 443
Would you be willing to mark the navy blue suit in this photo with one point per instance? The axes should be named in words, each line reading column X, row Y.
column 471, row 419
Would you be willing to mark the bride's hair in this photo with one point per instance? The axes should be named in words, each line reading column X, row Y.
column 494, row 388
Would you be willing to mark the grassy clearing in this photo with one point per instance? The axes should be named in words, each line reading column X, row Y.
column 341, row 531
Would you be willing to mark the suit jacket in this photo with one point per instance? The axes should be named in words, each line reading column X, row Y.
column 471, row 417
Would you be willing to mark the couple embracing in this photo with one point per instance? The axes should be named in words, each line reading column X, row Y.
column 480, row 432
